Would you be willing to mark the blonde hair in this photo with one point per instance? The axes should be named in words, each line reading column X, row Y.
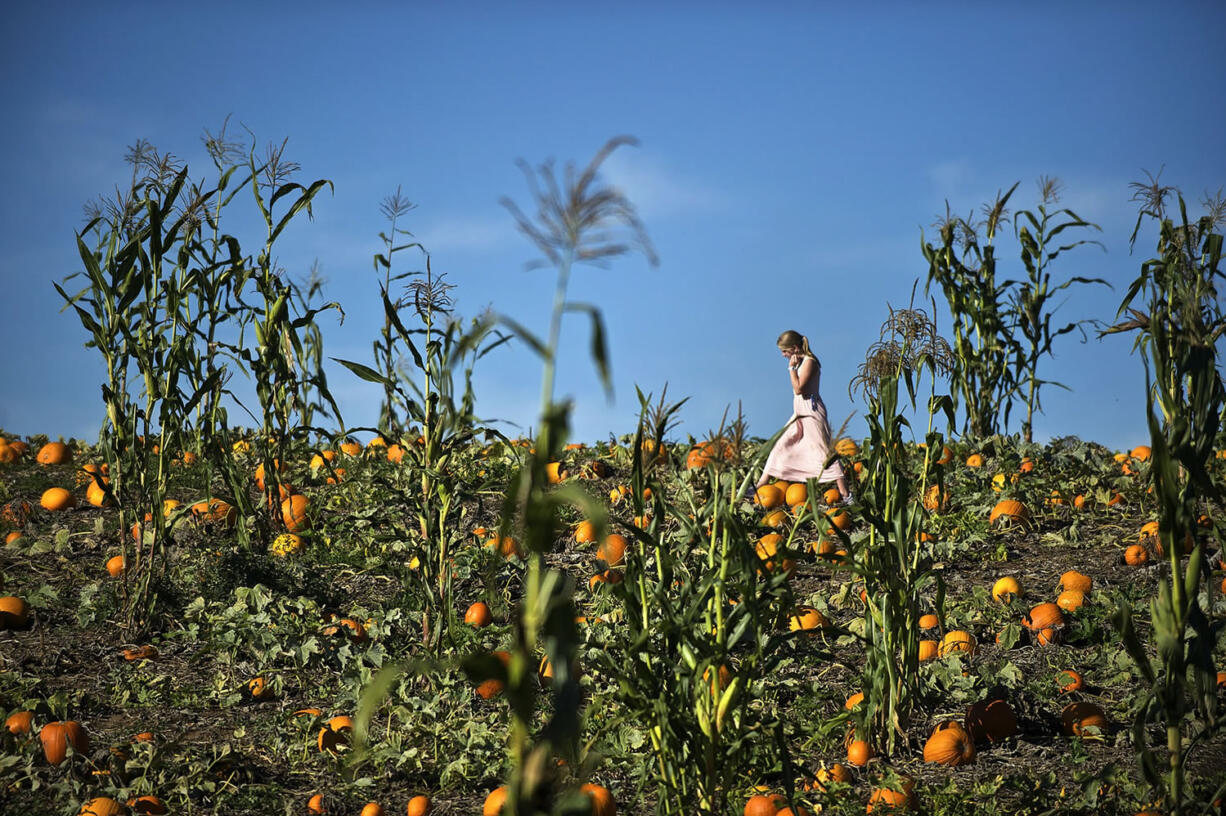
column 794, row 339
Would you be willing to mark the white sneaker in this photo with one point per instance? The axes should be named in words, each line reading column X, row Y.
column 850, row 499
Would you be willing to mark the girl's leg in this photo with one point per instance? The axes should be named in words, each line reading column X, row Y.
column 844, row 491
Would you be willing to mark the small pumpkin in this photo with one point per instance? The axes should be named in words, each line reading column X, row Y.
column 807, row 619
column 957, row 641
column 835, row 773
column 57, row 498
column 859, row 752
column 57, row 736
column 935, row 498
column 796, row 494
column 768, row 497
column 505, row 546
column 148, row 804
column 1083, row 719
column 102, row 806
column 612, row 550
column 846, row 447
column 1070, row 600
column 1005, row 589
column 140, row 653
column 215, row 511
column 492, row 806
column 19, row 722
column 585, row 532
column 478, row 615
column 293, row 513
column 1076, row 581
column 285, row 544
column 54, row 453
column 258, row 688
column 335, row 734
column 600, row 799
column 1009, row 509
column 1044, row 616
column 950, row 745
column 353, row 628
column 96, row 493
column 888, row 799
column 14, row 612
column 1136, row 555
column 1070, row 681
column 991, row 721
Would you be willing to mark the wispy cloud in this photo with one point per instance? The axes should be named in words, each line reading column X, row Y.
column 657, row 189
column 951, row 177
column 462, row 232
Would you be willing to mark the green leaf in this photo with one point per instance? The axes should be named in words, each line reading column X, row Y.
column 365, row 372
column 600, row 354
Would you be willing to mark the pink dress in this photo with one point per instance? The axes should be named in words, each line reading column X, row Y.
column 801, row 452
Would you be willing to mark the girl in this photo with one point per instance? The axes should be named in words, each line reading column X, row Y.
column 803, row 450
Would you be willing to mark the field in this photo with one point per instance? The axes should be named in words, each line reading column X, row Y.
column 204, row 618
column 256, row 647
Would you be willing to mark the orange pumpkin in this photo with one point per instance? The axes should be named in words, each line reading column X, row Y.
column 1070, row 600
column 1070, row 681
column 1009, row 509
column 494, row 801
column 950, row 745
column 14, row 612
column 335, row 735
column 57, row 736
column 1083, row 719
column 1044, row 616
column 54, row 453
column 600, row 799
column 769, row 496
column 1076, row 580
column 613, row 550
column 148, row 804
column 888, row 800
column 478, row 615
column 807, row 619
column 293, row 513
column 957, row 641
column 101, row 806
column 991, row 721
column 19, row 722
column 57, row 498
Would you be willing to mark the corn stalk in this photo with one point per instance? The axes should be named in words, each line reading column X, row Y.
column 893, row 561
column 446, row 420
column 1179, row 333
column 576, row 222
column 1030, row 304
column 705, row 622
column 964, row 266
column 139, row 277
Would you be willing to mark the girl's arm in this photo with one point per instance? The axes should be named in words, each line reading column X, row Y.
column 801, row 374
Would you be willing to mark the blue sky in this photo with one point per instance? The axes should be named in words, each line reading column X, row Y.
column 791, row 156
